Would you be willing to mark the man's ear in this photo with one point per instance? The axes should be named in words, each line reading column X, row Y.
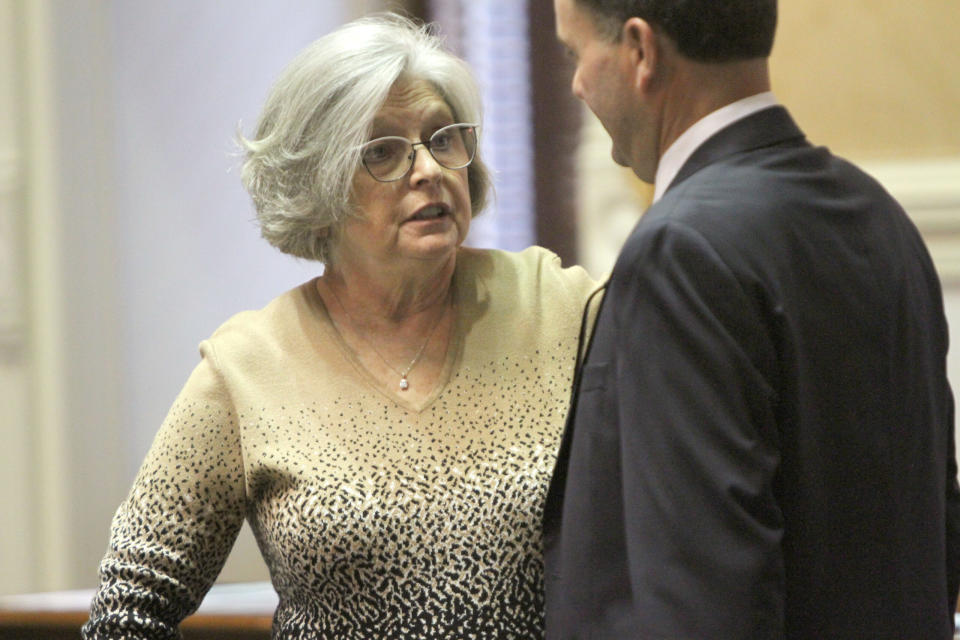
column 643, row 51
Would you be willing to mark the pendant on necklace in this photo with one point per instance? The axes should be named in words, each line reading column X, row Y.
column 404, row 385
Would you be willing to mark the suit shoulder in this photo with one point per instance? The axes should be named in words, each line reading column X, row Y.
column 770, row 195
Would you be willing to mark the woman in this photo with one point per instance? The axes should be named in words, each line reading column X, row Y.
column 388, row 429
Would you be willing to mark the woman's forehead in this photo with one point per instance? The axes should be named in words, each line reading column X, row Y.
column 412, row 99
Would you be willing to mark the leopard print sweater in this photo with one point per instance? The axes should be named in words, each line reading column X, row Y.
column 377, row 519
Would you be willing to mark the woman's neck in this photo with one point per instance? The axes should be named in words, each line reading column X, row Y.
column 381, row 297
column 399, row 328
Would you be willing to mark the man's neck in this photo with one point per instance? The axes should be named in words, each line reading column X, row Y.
column 697, row 89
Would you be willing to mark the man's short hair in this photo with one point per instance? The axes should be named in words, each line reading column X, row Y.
column 703, row 30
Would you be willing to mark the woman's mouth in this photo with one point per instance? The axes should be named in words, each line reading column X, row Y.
column 430, row 212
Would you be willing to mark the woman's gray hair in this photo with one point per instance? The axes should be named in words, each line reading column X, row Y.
column 299, row 166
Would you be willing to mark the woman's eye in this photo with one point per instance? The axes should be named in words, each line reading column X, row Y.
column 441, row 140
column 380, row 152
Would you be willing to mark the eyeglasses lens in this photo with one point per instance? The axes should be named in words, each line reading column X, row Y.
column 454, row 146
column 390, row 158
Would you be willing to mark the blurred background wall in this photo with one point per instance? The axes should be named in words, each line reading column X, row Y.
column 131, row 240
column 126, row 238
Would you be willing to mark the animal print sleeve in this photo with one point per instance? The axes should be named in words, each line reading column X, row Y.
column 171, row 536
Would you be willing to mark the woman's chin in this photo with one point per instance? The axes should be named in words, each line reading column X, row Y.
column 433, row 250
column 434, row 246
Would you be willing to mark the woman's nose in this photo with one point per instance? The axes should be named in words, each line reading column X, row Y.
column 425, row 167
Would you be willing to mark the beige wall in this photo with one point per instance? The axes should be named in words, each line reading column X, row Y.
column 872, row 78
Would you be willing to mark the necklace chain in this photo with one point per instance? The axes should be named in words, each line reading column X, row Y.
column 404, row 382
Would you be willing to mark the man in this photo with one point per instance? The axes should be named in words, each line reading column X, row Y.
column 760, row 442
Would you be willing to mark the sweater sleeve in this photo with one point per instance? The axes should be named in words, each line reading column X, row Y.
column 170, row 537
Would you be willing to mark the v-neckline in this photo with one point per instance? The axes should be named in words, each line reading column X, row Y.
column 370, row 380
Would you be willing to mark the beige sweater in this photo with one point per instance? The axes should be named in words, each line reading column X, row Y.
column 375, row 518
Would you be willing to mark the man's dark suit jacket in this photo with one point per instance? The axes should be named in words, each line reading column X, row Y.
column 760, row 443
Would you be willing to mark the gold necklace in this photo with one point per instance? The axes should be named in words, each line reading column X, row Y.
column 404, row 382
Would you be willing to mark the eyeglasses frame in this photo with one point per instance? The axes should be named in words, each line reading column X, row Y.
column 422, row 143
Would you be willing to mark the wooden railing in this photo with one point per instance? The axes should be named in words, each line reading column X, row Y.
column 229, row 612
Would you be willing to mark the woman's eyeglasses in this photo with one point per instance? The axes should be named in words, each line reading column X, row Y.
column 391, row 158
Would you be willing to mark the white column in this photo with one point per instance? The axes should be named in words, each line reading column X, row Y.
column 45, row 521
column 17, row 548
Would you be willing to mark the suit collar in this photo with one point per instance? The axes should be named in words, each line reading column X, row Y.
column 700, row 131
column 764, row 128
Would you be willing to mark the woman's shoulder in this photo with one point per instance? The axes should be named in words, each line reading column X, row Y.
column 499, row 257
column 525, row 299
column 534, row 269
column 269, row 327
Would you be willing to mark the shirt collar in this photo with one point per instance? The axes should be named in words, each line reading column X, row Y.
column 698, row 133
